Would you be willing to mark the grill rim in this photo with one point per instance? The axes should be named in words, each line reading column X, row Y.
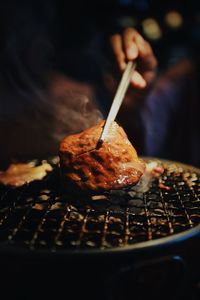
column 137, row 248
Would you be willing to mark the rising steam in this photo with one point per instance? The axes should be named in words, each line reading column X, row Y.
column 34, row 123
column 74, row 112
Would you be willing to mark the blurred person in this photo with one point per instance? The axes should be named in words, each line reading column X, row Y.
column 165, row 121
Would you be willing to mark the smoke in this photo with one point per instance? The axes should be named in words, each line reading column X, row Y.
column 74, row 112
column 38, row 104
column 32, row 124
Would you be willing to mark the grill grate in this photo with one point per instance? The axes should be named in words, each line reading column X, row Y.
column 39, row 216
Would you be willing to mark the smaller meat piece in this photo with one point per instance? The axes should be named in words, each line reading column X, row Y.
column 112, row 165
column 20, row 173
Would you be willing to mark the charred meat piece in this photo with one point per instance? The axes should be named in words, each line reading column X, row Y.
column 112, row 165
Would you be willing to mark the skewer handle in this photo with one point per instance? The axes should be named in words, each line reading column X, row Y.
column 119, row 96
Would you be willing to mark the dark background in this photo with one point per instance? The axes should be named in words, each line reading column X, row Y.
column 38, row 38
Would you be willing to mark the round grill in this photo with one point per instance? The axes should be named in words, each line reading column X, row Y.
column 39, row 216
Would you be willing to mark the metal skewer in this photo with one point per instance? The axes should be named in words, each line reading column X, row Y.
column 119, row 96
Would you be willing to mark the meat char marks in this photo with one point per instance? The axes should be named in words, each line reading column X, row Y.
column 112, row 165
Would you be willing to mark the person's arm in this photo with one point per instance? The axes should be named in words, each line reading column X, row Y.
column 126, row 46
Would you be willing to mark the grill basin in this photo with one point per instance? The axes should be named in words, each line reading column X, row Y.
column 40, row 216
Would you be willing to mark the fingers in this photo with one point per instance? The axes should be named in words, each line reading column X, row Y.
column 136, row 47
column 149, row 75
column 144, row 47
column 130, row 46
column 116, row 43
column 138, row 81
column 146, row 58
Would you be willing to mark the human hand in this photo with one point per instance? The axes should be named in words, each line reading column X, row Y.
column 131, row 46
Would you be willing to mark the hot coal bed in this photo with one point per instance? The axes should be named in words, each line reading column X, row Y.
column 122, row 244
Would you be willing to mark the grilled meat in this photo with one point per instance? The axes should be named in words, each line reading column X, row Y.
column 20, row 173
column 112, row 165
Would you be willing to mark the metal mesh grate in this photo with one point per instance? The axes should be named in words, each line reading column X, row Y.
column 39, row 216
